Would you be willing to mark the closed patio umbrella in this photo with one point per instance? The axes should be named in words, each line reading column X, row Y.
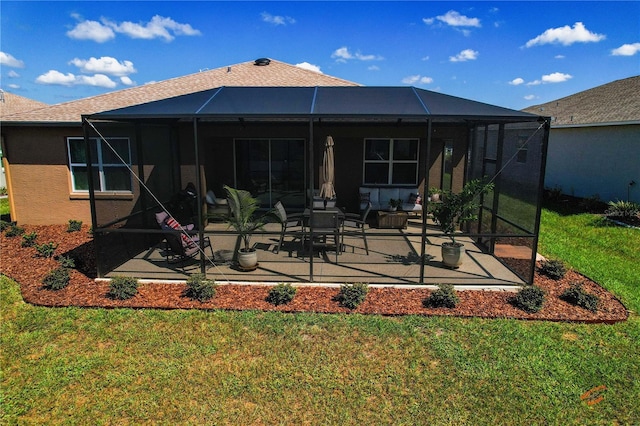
column 327, row 173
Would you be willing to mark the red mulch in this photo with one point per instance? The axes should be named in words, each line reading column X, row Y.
column 25, row 267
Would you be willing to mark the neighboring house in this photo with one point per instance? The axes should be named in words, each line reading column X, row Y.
column 11, row 104
column 43, row 147
column 594, row 143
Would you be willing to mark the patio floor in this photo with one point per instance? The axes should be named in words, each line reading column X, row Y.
column 393, row 260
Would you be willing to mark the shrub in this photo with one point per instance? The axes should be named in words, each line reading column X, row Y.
column 554, row 269
column 3, row 190
column 576, row 295
column 281, row 294
column 14, row 230
column 529, row 299
column 28, row 240
column 56, row 279
column 444, row 297
column 74, row 225
column 200, row 288
column 4, row 225
column 351, row 295
column 46, row 249
column 623, row 209
column 66, row 261
column 122, row 287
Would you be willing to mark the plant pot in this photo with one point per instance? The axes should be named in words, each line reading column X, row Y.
column 393, row 209
column 452, row 254
column 248, row 259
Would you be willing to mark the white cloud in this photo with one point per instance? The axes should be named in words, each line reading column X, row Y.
column 556, row 77
column 374, row 68
column 53, row 77
column 516, row 81
column 13, row 74
column 158, row 27
column 566, row 36
column 277, row 20
column 413, row 79
column 9, row 61
column 91, row 30
column 454, row 19
column 425, row 58
column 559, row 57
column 104, row 65
column 530, row 97
column 14, row 86
column 126, row 81
column 308, row 66
column 626, row 50
column 465, row 55
column 342, row 55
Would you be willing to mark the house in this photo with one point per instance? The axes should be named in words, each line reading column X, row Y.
column 11, row 104
column 594, row 142
column 46, row 180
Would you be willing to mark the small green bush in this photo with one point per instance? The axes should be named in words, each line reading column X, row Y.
column 74, row 225
column 200, row 288
column 554, row 269
column 28, row 240
column 529, row 299
column 4, row 225
column 281, row 294
column 577, row 295
column 66, row 261
column 46, row 249
column 352, row 295
column 444, row 297
column 14, row 231
column 623, row 209
column 56, row 279
column 3, row 190
column 123, row 288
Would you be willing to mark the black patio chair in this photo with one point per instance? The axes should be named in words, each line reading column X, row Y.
column 353, row 225
column 288, row 221
column 323, row 224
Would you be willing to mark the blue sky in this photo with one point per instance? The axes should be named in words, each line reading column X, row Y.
column 512, row 54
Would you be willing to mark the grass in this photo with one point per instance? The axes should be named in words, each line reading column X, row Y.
column 606, row 253
column 4, row 206
column 124, row 366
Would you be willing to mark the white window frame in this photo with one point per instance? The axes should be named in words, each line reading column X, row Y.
column 100, row 165
column 391, row 161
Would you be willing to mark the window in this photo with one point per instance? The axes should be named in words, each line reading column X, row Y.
column 522, row 150
column 109, row 173
column 391, row 161
column 447, row 165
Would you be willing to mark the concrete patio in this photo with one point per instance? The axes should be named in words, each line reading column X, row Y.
column 393, row 260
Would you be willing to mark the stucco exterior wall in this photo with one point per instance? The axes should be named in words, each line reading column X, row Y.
column 586, row 161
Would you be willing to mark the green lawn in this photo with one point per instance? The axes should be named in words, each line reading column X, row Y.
column 124, row 366
column 4, row 206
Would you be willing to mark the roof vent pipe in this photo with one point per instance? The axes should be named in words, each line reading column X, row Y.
column 262, row 62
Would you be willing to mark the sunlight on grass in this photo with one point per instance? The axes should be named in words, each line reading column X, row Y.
column 4, row 206
column 209, row 367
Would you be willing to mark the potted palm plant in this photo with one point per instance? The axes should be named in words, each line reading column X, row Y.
column 242, row 217
column 394, row 204
column 455, row 210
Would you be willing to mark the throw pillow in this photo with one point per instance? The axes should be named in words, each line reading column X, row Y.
column 365, row 197
column 172, row 223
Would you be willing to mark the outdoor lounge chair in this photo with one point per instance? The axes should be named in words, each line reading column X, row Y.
column 178, row 246
column 288, row 221
column 353, row 225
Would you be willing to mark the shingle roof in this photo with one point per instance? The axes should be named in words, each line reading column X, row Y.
column 11, row 104
column 244, row 74
column 615, row 102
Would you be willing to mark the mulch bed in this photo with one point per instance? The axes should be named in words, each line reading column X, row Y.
column 22, row 265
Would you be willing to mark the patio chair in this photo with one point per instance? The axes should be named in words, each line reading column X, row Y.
column 178, row 246
column 353, row 225
column 288, row 221
column 323, row 224
column 217, row 208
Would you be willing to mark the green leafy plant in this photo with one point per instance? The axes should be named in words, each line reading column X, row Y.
column 242, row 217
column 281, row 294
column 395, row 202
column 622, row 209
column 352, row 295
column 200, row 288
column 56, row 279
column 74, row 225
column 4, row 225
column 529, row 299
column 66, row 261
column 577, row 295
column 3, row 190
column 444, row 297
column 554, row 194
column 456, row 209
column 14, row 231
column 28, row 240
column 46, row 249
column 554, row 269
column 122, row 288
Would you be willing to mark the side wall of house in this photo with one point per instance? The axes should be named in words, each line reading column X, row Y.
column 586, row 161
